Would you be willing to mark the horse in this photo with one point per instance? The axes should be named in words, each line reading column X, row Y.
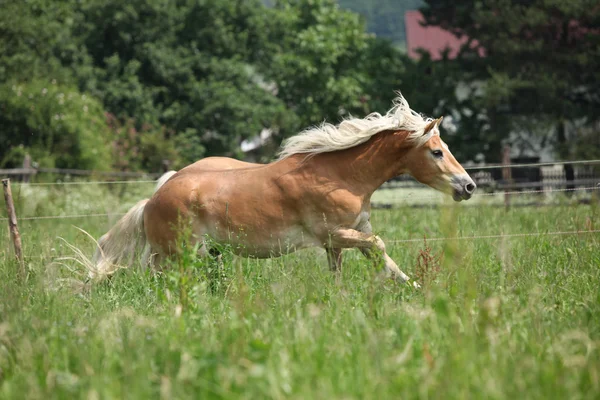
column 316, row 194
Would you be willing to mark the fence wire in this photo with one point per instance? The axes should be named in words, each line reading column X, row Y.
column 498, row 236
column 43, row 217
column 430, row 196
column 81, row 183
column 77, row 172
column 94, row 215
column 539, row 191
column 500, row 193
column 541, row 164
column 438, row 239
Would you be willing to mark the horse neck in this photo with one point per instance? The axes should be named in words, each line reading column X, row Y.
column 364, row 167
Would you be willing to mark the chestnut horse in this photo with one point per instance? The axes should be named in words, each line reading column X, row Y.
column 316, row 194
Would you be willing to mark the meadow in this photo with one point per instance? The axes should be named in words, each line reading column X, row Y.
column 496, row 318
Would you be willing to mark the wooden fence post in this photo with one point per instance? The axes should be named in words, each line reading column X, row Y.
column 12, row 225
column 27, row 167
column 166, row 166
column 506, row 174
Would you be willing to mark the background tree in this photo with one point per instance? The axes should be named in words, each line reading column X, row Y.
column 57, row 124
column 384, row 18
column 193, row 78
column 185, row 65
column 439, row 88
column 326, row 66
column 28, row 51
column 542, row 59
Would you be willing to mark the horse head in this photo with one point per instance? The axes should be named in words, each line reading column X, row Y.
column 433, row 164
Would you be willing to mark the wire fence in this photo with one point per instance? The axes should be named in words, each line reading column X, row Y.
column 391, row 185
column 541, row 187
column 94, row 215
column 29, row 171
column 456, row 238
column 530, row 165
column 498, row 236
column 498, row 189
column 43, row 217
column 520, row 192
column 433, row 195
column 83, row 183
column 500, row 185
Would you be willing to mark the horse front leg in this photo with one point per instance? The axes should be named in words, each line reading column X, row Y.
column 371, row 246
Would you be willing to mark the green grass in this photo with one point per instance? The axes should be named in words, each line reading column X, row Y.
column 516, row 318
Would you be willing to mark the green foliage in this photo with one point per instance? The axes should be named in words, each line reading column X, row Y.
column 212, row 73
column 57, row 124
column 542, row 58
column 327, row 66
column 385, row 18
column 439, row 88
column 208, row 74
column 145, row 149
column 585, row 143
column 219, row 72
column 191, row 276
column 28, row 51
column 196, row 78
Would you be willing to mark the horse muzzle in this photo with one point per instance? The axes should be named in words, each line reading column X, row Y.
column 463, row 187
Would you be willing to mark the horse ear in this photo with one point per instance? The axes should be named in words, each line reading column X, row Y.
column 433, row 124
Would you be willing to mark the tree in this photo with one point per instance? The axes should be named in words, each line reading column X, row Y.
column 43, row 111
column 28, row 51
column 439, row 88
column 325, row 65
column 202, row 74
column 385, row 18
column 58, row 125
column 541, row 58
column 186, row 65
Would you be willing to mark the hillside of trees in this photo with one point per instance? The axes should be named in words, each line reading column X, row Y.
column 104, row 84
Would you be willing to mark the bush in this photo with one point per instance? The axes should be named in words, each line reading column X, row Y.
column 58, row 125
column 141, row 149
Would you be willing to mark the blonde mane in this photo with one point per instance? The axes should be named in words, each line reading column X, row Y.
column 354, row 131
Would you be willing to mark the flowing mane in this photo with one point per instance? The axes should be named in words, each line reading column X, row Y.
column 354, row 131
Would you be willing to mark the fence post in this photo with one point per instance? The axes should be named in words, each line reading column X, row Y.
column 506, row 174
column 27, row 168
column 12, row 225
column 166, row 166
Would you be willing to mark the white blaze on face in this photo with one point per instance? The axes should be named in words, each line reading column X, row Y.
column 444, row 145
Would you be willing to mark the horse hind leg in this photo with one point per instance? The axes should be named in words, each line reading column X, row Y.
column 218, row 276
column 206, row 250
column 334, row 258
column 149, row 259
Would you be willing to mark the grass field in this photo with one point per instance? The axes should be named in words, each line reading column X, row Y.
column 496, row 318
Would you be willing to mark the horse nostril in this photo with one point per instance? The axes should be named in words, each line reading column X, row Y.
column 470, row 188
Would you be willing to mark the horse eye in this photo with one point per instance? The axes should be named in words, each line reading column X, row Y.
column 437, row 153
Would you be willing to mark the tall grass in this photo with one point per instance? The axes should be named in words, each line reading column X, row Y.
column 512, row 318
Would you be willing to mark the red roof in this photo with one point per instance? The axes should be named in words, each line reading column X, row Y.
column 430, row 38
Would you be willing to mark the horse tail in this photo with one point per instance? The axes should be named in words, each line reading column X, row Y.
column 118, row 246
column 163, row 179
